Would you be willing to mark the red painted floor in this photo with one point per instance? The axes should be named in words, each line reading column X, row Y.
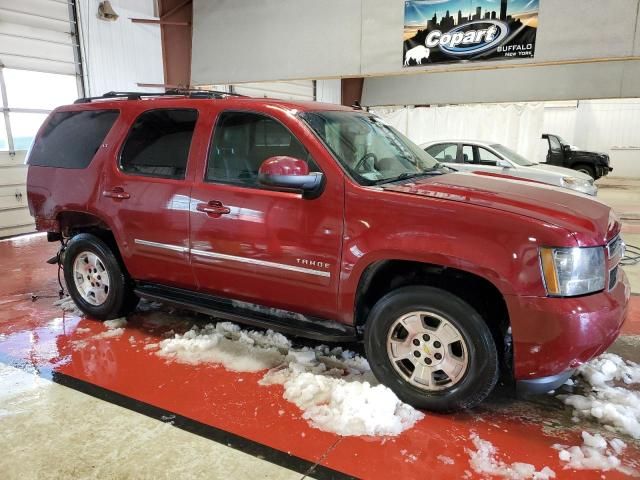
column 38, row 334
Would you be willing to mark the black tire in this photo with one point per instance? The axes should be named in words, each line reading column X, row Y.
column 120, row 298
column 482, row 368
column 588, row 169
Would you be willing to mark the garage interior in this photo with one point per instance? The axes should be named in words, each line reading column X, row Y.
column 132, row 398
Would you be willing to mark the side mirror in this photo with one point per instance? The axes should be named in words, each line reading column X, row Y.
column 290, row 173
column 504, row 164
column 566, row 148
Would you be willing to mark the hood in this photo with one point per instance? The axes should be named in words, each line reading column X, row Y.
column 589, row 220
column 565, row 172
column 589, row 152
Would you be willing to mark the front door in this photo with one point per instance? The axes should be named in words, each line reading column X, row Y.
column 255, row 244
column 146, row 196
column 555, row 156
column 485, row 160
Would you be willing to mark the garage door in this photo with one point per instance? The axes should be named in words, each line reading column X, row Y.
column 292, row 90
column 39, row 70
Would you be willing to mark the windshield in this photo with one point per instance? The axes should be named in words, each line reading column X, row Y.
column 370, row 150
column 515, row 157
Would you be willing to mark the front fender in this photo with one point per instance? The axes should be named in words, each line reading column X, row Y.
column 501, row 247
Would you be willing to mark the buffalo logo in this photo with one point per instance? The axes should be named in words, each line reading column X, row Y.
column 418, row 54
column 469, row 39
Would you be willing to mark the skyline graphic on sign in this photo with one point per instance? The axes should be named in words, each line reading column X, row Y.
column 419, row 12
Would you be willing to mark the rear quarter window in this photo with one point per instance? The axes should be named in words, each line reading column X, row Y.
column 71, row 139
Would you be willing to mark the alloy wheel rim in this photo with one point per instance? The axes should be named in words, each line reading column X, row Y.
column 91, row 278
column 427, row 350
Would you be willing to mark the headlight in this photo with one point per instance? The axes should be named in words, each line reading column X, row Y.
column 568, row 272
column 584, row 186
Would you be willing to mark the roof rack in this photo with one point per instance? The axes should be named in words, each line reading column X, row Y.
column 173, row 92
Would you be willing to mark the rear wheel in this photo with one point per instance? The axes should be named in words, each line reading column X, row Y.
column 431, row 348
column 95, row 279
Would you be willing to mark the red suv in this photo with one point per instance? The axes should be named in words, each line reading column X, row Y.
column 324, row 222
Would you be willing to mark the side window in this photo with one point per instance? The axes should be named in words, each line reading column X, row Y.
column 486, row 157
column 243, row 140
column 158, row 143
column 71, row 139
column 554, row 143
column 444, row 152
column 467, row 154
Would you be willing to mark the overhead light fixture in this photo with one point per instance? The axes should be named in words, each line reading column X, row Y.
column 106, row 12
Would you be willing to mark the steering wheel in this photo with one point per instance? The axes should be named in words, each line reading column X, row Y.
column 360, row 164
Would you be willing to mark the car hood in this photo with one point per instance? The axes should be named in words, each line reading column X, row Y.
column 589, row 220
column 565, row 172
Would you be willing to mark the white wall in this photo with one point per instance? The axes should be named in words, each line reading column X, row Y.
column 515, row 125
column 610, row 126
column 118, row 55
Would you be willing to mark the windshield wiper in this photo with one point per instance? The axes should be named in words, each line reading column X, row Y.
column 407, row 175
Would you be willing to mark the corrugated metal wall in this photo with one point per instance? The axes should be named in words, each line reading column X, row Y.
column 119, row 55
column 38, row 65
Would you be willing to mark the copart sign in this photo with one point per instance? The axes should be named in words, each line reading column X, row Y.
column 440, row 31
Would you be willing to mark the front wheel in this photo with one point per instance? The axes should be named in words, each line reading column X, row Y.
column 431, row 348
column 589, row 170
column 96, row 281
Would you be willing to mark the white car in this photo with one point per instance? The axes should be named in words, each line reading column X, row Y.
column 477, row 156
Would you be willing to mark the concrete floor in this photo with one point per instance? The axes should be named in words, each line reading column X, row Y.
column 115, row 411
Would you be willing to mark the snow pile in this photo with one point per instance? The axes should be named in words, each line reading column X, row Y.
column 337, row 392
column 446, row 460
column 251, row 352
column 483, row 461
column 115, row 323
column 346, row 406
column 605, row 400
column 115, row 328
column 334, row 388
column 594, row 454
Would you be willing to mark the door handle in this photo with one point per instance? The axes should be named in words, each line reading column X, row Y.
column 213, row 208
column 117, row 192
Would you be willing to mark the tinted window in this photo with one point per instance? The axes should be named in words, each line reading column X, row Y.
column 243, row 140
column 158, row 143
column 445, row 152
column 71, row 139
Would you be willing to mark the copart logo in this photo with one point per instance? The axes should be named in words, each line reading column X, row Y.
column 469, row 39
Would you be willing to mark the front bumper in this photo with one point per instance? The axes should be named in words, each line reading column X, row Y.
column 603, row 170
column 554, row 335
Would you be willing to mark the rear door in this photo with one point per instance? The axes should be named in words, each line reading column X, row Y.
column 254, row 244
column 146, row 192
